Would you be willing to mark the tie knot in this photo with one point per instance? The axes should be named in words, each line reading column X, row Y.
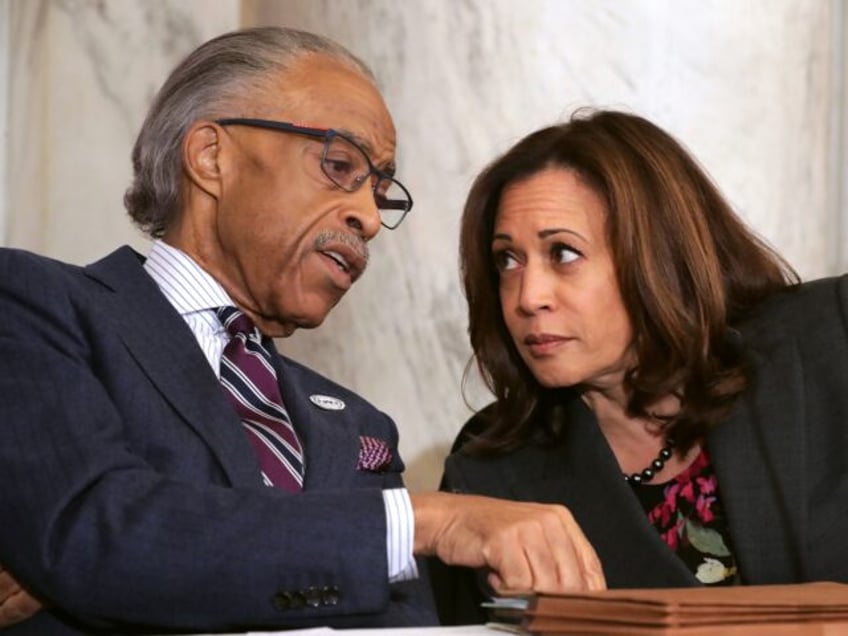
column 235, row 321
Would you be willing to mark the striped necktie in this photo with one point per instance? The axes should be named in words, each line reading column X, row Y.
column 250, row 383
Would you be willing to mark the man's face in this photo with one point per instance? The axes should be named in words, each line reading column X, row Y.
column 285, row 242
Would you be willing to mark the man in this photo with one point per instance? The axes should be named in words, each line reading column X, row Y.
column 162, row 468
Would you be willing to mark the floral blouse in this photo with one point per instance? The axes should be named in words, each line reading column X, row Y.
column 687, row 513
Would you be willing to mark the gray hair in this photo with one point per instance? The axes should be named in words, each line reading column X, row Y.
column 214, row 79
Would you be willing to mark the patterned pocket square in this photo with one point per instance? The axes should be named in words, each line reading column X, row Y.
column 374, row 454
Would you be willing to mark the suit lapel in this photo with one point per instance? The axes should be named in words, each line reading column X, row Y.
column 330, row 441
column 166, row 350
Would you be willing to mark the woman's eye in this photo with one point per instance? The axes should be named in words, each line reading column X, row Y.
column 562, row 253
column 505, row 261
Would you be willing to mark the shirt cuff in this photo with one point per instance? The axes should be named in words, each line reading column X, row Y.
column 400, row 534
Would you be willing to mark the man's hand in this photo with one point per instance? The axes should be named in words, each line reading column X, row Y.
column 528, row 546
column 15, row 603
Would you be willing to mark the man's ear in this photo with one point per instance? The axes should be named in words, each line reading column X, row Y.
column 201, row 156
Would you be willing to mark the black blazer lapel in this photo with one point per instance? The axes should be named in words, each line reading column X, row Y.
column 610, row 514
column 165, row 348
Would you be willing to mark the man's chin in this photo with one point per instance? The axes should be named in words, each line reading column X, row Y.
column 309, row 320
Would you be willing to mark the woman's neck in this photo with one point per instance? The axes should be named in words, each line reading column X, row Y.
column 636, row 441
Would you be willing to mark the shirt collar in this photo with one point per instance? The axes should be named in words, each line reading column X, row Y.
column 187, row 286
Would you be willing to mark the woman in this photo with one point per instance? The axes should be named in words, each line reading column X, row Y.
column 657, row 368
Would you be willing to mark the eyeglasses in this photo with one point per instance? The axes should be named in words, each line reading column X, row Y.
column 345, row 163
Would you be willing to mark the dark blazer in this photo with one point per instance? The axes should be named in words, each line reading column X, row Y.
column 781, row 458
column 129, row 494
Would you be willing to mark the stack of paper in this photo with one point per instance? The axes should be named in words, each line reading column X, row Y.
column 808, row 609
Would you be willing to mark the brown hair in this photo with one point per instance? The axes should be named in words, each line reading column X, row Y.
column 687, row 268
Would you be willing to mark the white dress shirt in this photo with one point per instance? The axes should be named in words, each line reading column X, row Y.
column 196, row 296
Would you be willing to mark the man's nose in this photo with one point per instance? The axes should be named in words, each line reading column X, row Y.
column 364, row 216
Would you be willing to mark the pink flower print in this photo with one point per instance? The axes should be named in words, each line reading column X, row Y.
column 707, row 485
column 662, row 512
column 654, row 514
column 660, row 515
column 671, row 538
column 688, row 492
column 698, row 465
column 670, row 495
column 703, row 507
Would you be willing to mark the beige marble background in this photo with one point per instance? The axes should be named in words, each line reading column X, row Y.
column 754, row 87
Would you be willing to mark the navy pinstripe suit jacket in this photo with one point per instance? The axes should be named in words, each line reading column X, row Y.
column 130, row 497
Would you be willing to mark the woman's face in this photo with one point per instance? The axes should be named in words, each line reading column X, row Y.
column 558, row 289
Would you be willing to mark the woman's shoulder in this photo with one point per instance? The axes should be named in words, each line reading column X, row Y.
column 492, row 431
column 467, row 469
column 474, row 426
column 466, row 453
column 821, row 302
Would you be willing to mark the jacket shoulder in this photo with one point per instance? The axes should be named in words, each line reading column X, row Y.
column 474, row 426
column 815, row 312
column 33, row 283
column 17, row 263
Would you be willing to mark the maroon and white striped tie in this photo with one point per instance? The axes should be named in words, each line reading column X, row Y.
column 250, row 383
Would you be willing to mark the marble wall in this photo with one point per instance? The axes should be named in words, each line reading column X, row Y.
column 81, row 75
column 5, row 63
column 754, row 88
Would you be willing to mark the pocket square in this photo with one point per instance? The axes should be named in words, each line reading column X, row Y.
column 374, row 454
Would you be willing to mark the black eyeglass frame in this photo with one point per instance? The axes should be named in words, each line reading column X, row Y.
column 327, row 134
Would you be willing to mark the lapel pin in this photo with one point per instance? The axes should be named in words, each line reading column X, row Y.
column 326, row 402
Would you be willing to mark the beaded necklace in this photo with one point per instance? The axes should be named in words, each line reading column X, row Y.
column 655, row 466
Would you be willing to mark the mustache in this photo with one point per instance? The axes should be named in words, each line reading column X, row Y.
column 352, row 241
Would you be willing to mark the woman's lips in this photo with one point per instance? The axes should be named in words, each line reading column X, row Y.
column 543, row 343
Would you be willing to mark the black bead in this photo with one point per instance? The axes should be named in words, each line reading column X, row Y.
column 656, row 466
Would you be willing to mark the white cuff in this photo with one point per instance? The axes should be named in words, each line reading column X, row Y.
column 400, row 534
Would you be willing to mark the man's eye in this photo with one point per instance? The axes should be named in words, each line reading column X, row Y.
column 340, row 166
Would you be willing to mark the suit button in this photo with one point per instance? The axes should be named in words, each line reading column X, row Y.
column 298, row 600
column 330, row 595
column 282, row 601
column 312, row 596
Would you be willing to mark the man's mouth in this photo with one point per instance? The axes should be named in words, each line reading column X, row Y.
column 349, row 253
column 340, row 260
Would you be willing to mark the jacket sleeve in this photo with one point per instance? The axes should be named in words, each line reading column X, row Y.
column 457, row 591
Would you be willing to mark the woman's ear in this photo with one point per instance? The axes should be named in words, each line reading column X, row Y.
column 201, row 156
